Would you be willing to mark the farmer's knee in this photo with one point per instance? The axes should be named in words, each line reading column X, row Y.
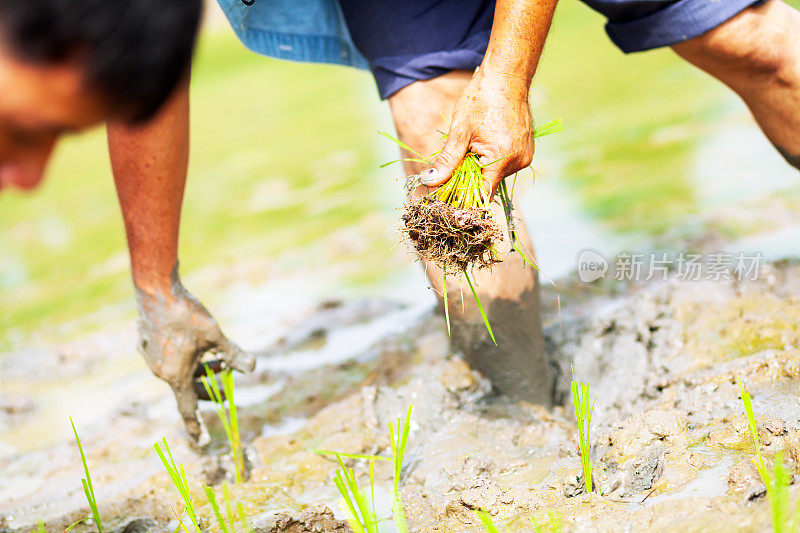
column 760, row 42
column 422, row 109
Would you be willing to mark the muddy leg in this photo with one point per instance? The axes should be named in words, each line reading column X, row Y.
column 757, row 54
column 509, row 292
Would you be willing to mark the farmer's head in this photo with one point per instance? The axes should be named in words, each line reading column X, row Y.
column 68, row 64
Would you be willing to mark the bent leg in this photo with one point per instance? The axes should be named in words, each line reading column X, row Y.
column 509, row 291
column 757, row 54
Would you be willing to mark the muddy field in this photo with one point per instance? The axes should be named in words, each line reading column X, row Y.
column 670, row 443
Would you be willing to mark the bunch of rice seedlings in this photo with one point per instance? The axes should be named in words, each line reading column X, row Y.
column 452, row 226
column 178, row 476
column 554, row 523
column 487, row 522
column 88, row 489
column 583, row 416
column 229, row 418
column 225, row 525
column 777, row 482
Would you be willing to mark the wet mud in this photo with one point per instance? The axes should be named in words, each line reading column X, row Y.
column 670, row 442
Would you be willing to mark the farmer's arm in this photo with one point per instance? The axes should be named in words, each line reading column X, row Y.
column 493, row 118
column 149, row 164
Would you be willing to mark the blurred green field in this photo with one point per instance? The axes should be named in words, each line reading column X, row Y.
column 286, row 155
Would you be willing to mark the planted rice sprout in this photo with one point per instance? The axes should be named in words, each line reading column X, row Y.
column 360, row 512
column 229, row 418
column 453, row 227
column 178, row 476
column 785, row 518
column 88, row 488
column 399, row 441
column 226, row 525
column 583, row 416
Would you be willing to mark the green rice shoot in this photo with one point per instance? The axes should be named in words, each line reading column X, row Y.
column 480, row 307
column 777, row 481
column 225, row 525
column 453, row 227
column 399, row 441
column 487, row 521
column 363, row 518
column 345, row 481
column 178, row 476
column 229, row 418
column 583, row 416
column 88, row 488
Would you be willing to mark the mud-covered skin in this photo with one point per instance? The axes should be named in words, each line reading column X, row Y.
column 175, row 331
column 516, row 366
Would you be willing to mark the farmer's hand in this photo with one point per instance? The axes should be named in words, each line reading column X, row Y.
column 175, row 330
column 492, row 119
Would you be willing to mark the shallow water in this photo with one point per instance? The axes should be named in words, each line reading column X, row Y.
column 709, row 483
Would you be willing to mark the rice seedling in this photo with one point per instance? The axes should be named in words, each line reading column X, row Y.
column 554, row 523
column 453, row 227
column 583, row 416
column 487, row 522
column 88, row 488
column 178, row 476
column 784, row 517
column 229, row 418
column 40, row 527
column 225, row 525
column 399, row 441
column 363, row 518
column 346, row 484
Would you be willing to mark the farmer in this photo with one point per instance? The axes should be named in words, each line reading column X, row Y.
column 424, row 55
column 65, row 66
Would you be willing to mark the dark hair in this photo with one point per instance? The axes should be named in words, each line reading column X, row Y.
column 134, row 51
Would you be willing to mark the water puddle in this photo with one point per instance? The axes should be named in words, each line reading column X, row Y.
column 353, row 342
column 710, row 483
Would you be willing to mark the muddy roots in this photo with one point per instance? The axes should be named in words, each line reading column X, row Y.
column 454, row 239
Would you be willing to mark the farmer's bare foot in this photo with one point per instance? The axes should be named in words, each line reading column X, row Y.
column 757, row 54
column 509, row 291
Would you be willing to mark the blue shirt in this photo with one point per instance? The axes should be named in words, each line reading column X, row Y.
column 297, row 30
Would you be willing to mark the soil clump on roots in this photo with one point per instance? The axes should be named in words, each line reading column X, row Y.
column 452, row 238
